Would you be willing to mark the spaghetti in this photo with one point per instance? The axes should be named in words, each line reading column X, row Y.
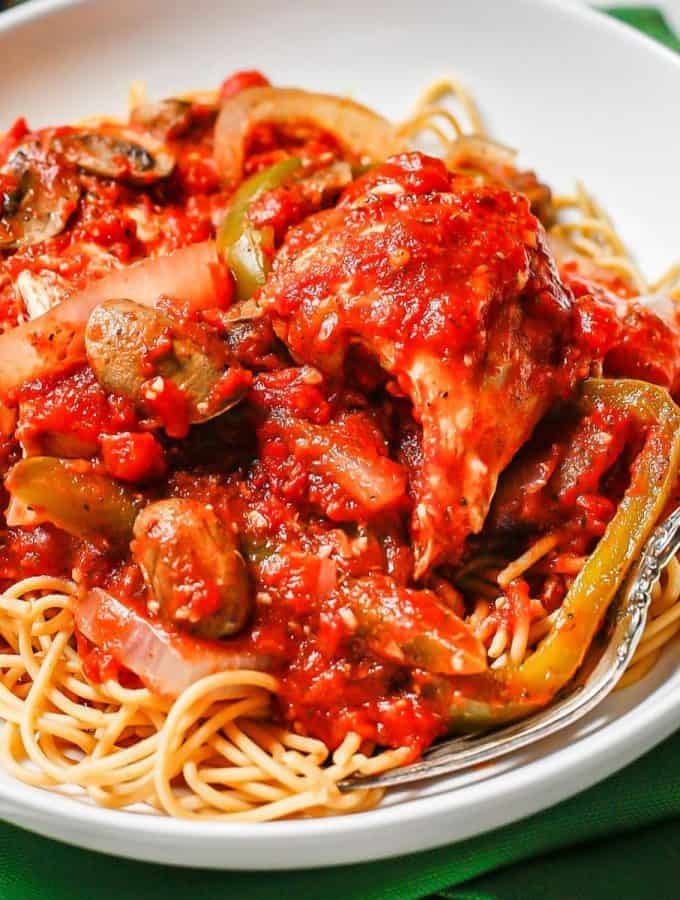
column 215, row 751
column 212, row 753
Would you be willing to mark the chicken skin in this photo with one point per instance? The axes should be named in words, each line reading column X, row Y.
column 450, row 286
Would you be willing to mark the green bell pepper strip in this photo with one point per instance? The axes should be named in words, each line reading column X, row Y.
column 84, row 503
column 239, row 244
column 247, row 261
column 510, row 693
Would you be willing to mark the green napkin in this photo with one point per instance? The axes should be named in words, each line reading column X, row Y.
column 619, row 839
column 649, row 20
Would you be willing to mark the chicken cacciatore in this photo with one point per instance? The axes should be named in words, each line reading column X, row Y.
column 280, row 393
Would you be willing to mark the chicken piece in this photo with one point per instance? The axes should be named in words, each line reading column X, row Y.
column 450, row 285
column 632, row 336
column 481, row 157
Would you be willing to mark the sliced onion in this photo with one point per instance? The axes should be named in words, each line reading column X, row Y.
column 166, row 661
column 39, row 293
column 358, row 129
column 55, row 341
column 473, row 148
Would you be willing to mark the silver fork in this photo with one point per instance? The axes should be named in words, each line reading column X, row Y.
column 628, row 621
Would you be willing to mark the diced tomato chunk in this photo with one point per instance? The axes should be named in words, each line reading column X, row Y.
column 239, row 81
column 133, row 456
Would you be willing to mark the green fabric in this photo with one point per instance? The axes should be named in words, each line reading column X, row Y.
column 631, row 822
column 649, row 20
column 645, row 863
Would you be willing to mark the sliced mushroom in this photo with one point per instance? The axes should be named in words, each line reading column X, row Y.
column 74, row 497
column 117, row 153
column 40, row 202
column 129, row 345
column 193, row 568
column 165, row 120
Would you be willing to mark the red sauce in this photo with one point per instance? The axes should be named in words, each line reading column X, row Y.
column 67, row 416
column 25, row 552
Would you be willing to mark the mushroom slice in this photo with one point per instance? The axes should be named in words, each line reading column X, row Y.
column 193, row 568
column 128, row 346
column 165, row 120
column 117, row 153
column 37, row 198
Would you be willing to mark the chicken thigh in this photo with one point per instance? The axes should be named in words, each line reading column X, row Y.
column 449, row 284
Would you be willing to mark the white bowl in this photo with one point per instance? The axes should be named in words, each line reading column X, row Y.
column 583, row 97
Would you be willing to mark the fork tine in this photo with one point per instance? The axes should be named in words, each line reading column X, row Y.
column 463, row 752
column 443, row 748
